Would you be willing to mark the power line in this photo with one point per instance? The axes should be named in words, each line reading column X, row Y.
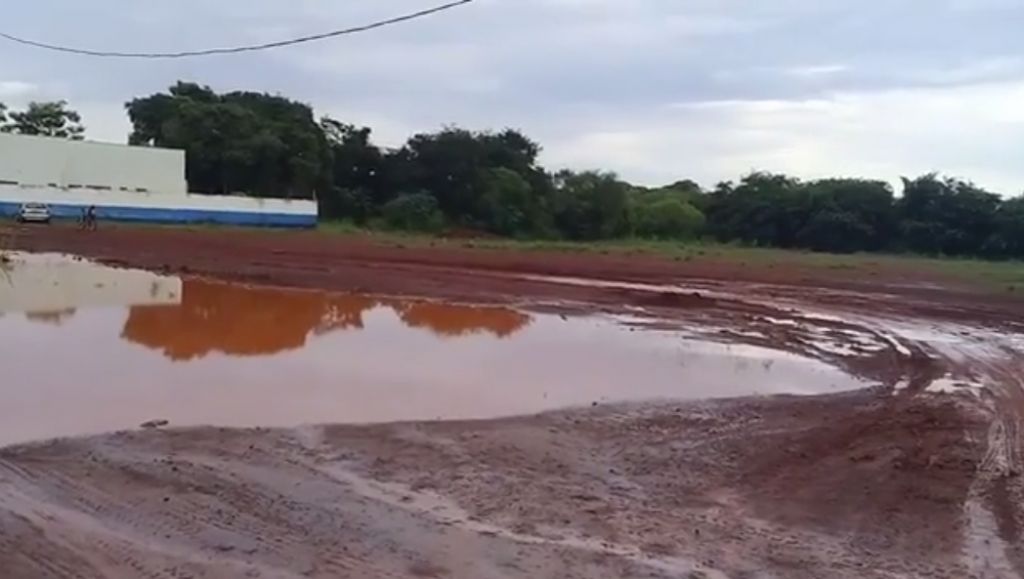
column 239, row 49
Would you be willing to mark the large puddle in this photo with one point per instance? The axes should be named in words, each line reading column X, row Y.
column 89, row 349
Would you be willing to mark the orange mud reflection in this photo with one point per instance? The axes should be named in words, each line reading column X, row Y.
column 254, row 321
column 93, row 349
column 446, row 320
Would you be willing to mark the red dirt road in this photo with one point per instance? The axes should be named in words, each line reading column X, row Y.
column 919, row 477
column 366, row 264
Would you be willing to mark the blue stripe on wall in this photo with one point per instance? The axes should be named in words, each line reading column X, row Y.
column 168, row 215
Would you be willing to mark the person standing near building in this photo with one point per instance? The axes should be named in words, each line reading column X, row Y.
column 89, row 218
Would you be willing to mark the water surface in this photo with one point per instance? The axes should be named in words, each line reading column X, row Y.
column 90, row 349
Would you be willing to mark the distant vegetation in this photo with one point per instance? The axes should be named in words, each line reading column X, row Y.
column 51, row 119
column 266, row 145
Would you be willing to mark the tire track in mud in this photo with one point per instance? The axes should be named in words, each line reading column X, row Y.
column 984, row 367
column 445, row 512
column 862, row 485
column 256, row 510
column 980, row 365
column 993, row 545
column 633, row 491
column 991, row 550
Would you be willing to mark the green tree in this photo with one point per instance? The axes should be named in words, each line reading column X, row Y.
column 590, row 205
column 454, row 166
column 357, row 169
column 946, row 216
column 837, row 231
column 849, row 215
column 45, row 119
column 1007, row 237
column 259, row 144
column 763, row 209
column 686, row 190
column 268, row 145
column 413, row 212
column 507, row 203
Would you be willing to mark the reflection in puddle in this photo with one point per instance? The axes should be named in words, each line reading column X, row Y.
column 248, row 321
column 43, row 285
column 198, row 352
column 56, row 317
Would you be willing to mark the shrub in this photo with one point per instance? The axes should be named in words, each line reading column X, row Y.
column 413, row 212
column 836, row 231
column 590, row 205
column 668, row 219
column 507, row 205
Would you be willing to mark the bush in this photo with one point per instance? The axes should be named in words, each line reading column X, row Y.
column 668, row 219
column 413, row 212
column 1007, row 238
column 507, row 205
column 590, row 205
column 352, row 204
column 836, row 231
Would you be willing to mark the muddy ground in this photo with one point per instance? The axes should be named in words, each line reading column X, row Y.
column 918, row 476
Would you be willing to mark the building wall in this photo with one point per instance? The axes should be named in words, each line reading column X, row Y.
column 162, row 208
column 61, row 163
column 125, row 184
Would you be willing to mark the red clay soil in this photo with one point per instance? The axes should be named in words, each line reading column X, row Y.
column 777, row 488
column 364, row 264
column 882, row 483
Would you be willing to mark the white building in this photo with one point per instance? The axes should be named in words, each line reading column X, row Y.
column 125, row 183
column 65, row 164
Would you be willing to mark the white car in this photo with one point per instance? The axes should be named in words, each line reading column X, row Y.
column 34, row 213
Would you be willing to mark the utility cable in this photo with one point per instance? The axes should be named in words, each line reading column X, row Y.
column 238, row 49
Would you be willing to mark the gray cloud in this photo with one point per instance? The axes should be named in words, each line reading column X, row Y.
column 657, row 90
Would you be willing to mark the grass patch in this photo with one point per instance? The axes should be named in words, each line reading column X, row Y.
column 1006, row 277
column 1000, row 276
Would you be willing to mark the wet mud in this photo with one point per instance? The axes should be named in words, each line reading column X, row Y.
column 698, row 420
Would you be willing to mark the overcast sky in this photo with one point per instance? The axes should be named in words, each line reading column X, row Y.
column 656, row 90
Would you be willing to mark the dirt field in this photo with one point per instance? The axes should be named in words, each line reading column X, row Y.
column 917, row 476
column 451, row 271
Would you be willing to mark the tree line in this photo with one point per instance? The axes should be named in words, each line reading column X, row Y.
column 46, row 119
column 270, row 146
